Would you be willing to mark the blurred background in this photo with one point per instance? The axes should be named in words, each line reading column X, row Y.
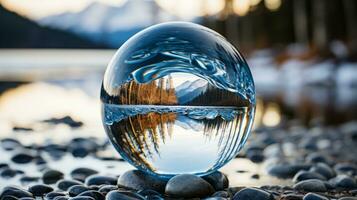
column 302, row 54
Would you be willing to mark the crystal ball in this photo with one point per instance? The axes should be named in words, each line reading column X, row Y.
column 177, row 98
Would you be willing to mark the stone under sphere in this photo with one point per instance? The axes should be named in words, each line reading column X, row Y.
column 178, row 98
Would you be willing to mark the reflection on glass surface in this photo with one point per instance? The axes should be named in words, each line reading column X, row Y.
column 178, row 98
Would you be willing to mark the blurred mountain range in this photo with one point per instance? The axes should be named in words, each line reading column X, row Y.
column 187, row 91
column 107, row 24
column 20, row 32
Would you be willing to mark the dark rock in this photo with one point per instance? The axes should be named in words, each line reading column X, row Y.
column 40, row 190
column 22, row 128
column 52, row 195
column 324, row 170
column 100, row 180
column 292, row 197
column 107, row 188
column 91, row 193
column 346, row 168
column 138, row 180
column 316, row 158
column 76, row 190
column 343, row 181
column 15, row 191
column 348, row 198
column 253, row 194
column 313, row 196
column 61, row 198
column 29, row 179
column 82, row 173
column 27, row 198
column 79, row 151
column 305, row 175
column 146, row 193
column 8, row 173
column 286, row 170
column 22, row 158
column 218, row 180
column 64, row 120
column 188, row 186
column 8, row 197
column 215, row 198
column 311, row 185
column 116, row 195
column 52, row 176
column 255, row 156
column 82, row 198
column 234, row 190
column 3, row 166
column 9, row 144
column 255, row 176
column 65, row 184
column 223, row 194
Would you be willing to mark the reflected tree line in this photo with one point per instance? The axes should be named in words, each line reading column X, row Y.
column 140, row 136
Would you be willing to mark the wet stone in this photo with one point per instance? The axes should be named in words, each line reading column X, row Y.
column 343, row 181
column 311, row 185
column 100, row 180
column 324, row 170
column 292, row 197
column 82, row 198
column 346, row 168
column 215, row 198
column 65, row 184
column 52, row 195
column 61, row 198
column 76, row 190
column 218, row 180
column 8, row 173
column 223, row 194
column 188, row 186
column 29, row 179
column 138, row 180
column 305, row 175
column 253, row 194
column 313, row 196
column 40, row 190
column 3, row 166
column 22, row 158
column 286, row 170
column 15, row 191
column 116, row 195
column 10, row 144
column 348, row 198
column 92, row 193
column 52, row 176
column 107, row 188
column 8, row 197
column 255, row 156
column 82, row 173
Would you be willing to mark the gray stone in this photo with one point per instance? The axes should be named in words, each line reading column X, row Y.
column 116, row 195
column 52, row 195
column 40, row 189
column 313, row 196
column 348, row 198
column 22, row 158
column 14, row 191
column 253, row 194
column 343, row 181
column 286, row 170
column 311, row 185
column 324, row 170
column 82, row 173
column 100, row 180
column 138, row 180
column 218, row 180
column 188, row 186
column 91, row 193
column 65, row 184
column 76, row 190
column 52, row 176
column 305, row 175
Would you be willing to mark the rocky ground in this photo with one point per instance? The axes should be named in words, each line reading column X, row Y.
column 320, row 162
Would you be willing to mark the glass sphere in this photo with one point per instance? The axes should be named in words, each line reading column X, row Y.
column 178, row 98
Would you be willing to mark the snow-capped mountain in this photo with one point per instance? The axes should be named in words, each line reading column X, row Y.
column 187, row 91
column 110, row 24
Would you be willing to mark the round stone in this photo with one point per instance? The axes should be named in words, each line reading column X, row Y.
column 40, row 190
column 253, row 194
column 139, row 180
column 82, row 173
column 65, row 184
column 311, row 185
column 52, row 176
column 305, row 175
column 116, row 195
column 91, row 193
column 52, row 195
column 313, row 196
column 100, row 180
column 188, row 186
column 15, row 192
column 343, row 181
column 22, row 158
column 218, row 180
column 76, row 190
